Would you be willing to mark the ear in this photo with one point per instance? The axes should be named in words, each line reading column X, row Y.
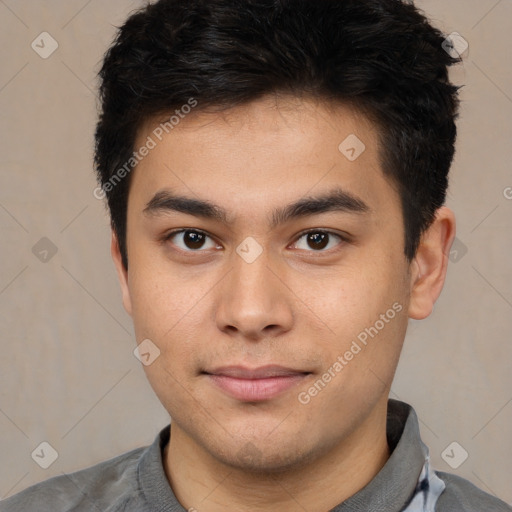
column 428, row 269
column 122, row 273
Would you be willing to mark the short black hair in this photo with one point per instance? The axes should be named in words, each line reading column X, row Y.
column 382, row 57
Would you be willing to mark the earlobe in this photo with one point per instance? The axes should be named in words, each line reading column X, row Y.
column 431, row 263
column 122, row 273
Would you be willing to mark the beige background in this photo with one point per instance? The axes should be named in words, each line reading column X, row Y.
column 67, row 372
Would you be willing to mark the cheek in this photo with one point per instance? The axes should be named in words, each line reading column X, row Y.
column 173, row 314
column 158, row 299
column 343, row 301
column 366, row 306
column 170, row 318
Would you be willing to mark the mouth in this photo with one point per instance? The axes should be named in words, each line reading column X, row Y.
column 256, row 384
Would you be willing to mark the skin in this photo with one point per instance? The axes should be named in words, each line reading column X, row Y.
column 296, row 305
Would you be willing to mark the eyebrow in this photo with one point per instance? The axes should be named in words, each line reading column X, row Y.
column 338, row 200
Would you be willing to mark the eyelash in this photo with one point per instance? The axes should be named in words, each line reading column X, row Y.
column 344, row 239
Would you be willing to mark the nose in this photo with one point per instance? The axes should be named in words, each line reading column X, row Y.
column 254, row 301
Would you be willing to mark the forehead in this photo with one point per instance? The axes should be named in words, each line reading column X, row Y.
column 262, row 154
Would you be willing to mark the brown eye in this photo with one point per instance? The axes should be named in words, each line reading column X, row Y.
column 318, row 241
column 190, row 240
column 193, row 239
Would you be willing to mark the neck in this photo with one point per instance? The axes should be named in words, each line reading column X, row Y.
column 202, row 482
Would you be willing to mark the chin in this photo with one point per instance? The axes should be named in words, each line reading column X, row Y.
column 250, row 458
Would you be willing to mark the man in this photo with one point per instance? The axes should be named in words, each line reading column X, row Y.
column 276, row 173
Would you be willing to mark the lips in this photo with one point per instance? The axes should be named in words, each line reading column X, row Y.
column 255, row 384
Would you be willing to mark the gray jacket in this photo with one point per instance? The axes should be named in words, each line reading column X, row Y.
column 136, row 482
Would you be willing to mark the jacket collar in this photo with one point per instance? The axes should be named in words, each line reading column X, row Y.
column 390, row 490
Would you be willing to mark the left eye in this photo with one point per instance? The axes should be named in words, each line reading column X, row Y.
column 191, row 240
column 318, row 240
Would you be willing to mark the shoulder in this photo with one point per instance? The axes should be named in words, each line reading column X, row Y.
column 108, row 485
column 463, row 496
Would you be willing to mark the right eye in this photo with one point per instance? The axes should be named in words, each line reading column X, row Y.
column 190, row 240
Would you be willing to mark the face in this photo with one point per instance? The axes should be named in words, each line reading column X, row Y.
column 279, row 328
